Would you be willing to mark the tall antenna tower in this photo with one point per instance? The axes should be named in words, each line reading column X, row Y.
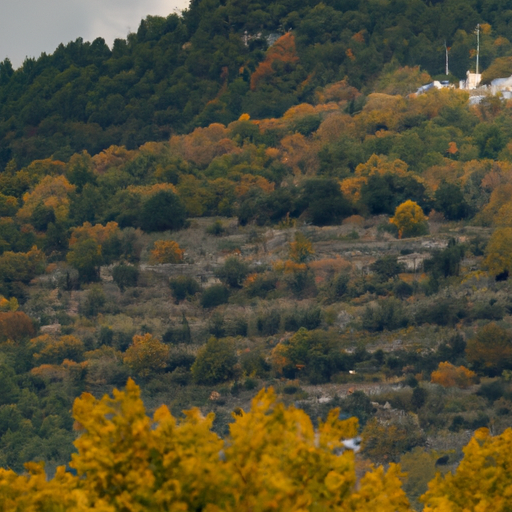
column 477, row 46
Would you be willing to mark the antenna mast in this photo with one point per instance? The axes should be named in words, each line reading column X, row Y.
column 477, row 46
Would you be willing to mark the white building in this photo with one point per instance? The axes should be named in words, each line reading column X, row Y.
column 503, row 86
column 472, row 81
column 433, row 85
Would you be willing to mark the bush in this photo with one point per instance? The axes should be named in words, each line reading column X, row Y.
column 94, row 302
column 178, row 334
column 309, row 318
column 216, row 228
column 446, row 263
column 183, row 287
column 261, row 285
column 233, row 272
column 268, row 323
column 441, row 312
column 492, row 391
column 388, row 315
column 125, row 276
column 214, row 296
column 215, row 362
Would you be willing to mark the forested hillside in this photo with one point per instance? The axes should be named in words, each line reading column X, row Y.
column 181, row 72
column 247, row 196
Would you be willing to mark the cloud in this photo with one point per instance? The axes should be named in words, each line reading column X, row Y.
column 30, row 27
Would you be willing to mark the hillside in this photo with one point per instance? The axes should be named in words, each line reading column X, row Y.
column 211, row 216
column 209, row 65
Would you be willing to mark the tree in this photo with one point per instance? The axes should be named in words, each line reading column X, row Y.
column 166, row 251
column 233, row 272
column 387, row 267
column 15, row 326
column 50, row 350
column 449, row 375
column 183, row 287
column 481, row 481
column 214, row 296
column 498, row 253
column 162, row 211
column 85, row 256
column 215, row 362
column 450, row 201
column 146, row 355
column 387, row 442
column 273, row 459
column 125, row 276
column 490, row 351
column 410, row 220
column 324, row 201
column 301, row 250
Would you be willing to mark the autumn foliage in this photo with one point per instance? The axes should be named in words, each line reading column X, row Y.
column 283, row 52
column 15, row 325
column 410, row 220
column 272, row 460
column 166, row 251
column 450, row 376
column 146, row 355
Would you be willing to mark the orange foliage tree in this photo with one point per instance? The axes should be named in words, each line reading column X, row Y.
column 283, row 51
column 15, row 325
column 166, row 251
column 450, row 376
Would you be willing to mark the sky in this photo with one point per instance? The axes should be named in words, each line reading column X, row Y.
column 30, row 27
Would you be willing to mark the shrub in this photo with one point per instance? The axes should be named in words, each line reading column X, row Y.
column 309, row 318
column 214, row 296
column 215, row 362
column 233, row 272
column 216, row 228
column 268, row 323
column 260, row 285
column 125, row 276
column 94, row 302
column 183, row 287
column 386, row 267
column 388, row 315
column 491, row 350
column 492, row 391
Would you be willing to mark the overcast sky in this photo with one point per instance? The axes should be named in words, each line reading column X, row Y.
column 30, row 27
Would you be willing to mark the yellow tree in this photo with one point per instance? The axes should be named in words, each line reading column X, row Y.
column 410, row 220
column 482, row 481
column 498, row 254
column 146, row 354
column 53, row 192
column 272, row 460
